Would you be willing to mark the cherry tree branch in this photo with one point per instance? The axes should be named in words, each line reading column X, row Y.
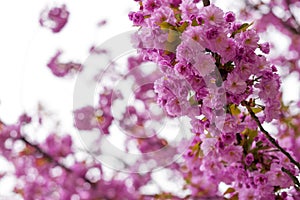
column 51, row 159
column 294, row 178
column 284, row 23
column 269, row 137
column 273, row 141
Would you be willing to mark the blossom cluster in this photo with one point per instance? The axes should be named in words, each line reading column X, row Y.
column 53, row 170
column 194, row 47
column 280, row 17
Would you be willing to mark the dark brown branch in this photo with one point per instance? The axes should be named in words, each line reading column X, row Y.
column 284, row 23
column 294, row 178
column 206, row 2
column 51, row 159
column 269, row 137
column 273, row 141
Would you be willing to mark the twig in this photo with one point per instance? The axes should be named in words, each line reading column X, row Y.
column 284, row 23
column 273, row 141
column 51, row 159
column 294, row 178
column 269, row 137
column 206, row 3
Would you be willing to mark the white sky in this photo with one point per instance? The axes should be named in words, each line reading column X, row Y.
column 26, row 48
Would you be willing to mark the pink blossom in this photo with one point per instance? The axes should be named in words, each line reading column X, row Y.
column 234, row 84
column 60, row 69
column 213, row 15
column 232, row 154
column 204, row 64
column 54, row 18
column 136, row 17
column 229, row 16
column 265, row 47
column 208, row 145
column 85, row 118
column 188, row 8
column 277, row 177
column 249, row 159
column 248, row 38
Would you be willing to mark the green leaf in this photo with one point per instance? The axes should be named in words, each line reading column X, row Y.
column 166, row 25
column 195, row 23
column 242, row 28
column 172, row 36
column 245, row 26
column 192, row 101
column 178, row 17
column 234, row 110
column 147, row 16
column 257, row 110
column 183, row 26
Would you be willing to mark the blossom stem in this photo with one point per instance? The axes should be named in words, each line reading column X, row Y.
column 269, row 137
column 206, row 2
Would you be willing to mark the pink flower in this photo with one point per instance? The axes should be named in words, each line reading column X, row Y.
column 151, row 5
column 265, row 47
column 248, row 38
column 234, row 84
column 244, row 70
column 212, row 15
column 229, row 16
column 136, row 17
column 278, row 178
column 208, row 145
column 228, row 52
column 260, row 179
column 188, row 8
column 204, row 64
column 54, row 18
column 162, row 14
column 232, row 154
column 57, row 146
column 85, row 118
column 249, row 159
column 173, row 107
column 60, row 69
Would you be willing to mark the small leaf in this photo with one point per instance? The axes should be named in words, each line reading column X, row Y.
column 229, row 190
column 234, row 110
column 193, row 101
column 172, row 36
column 257, row 110
column 195, row 23
column 182, row 28
column 235, row 197
column 178, row 17
column 41, row 162
column 147, row 16
column 166, row 25
column 245, row 26
column 242, row 28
